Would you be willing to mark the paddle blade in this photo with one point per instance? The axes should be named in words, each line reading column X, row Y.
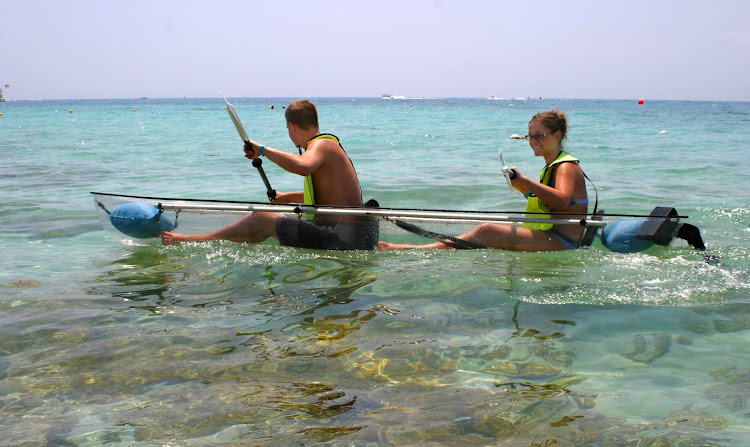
column 235, row 119
column 506, row 170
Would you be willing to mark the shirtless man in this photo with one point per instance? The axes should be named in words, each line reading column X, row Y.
column 330, row 179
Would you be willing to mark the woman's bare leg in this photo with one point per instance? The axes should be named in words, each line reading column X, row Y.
column 507, row 237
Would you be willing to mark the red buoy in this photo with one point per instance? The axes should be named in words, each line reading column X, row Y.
column 640, row 101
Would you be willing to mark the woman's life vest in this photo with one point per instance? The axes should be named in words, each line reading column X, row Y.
column 534, row 205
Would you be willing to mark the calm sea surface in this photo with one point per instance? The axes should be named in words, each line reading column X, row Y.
column 231, row 344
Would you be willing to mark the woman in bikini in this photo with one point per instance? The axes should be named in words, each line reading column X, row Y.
column 560, row 190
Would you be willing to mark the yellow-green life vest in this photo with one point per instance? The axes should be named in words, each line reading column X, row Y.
column 537, row 206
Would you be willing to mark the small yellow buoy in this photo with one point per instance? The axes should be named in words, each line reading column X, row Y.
column 270, row 107
column 71, row 110
column 135, row 110
column 1, row 113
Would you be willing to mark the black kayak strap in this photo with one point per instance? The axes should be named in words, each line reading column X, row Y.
column 450, row 241
column 453, row 242
column 596, row 193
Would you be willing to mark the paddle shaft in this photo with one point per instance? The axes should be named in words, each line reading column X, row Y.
column 258, row 163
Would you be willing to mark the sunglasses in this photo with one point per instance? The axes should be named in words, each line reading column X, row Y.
column 536, row 136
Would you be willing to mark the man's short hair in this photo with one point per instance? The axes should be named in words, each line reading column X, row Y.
column 302, row 113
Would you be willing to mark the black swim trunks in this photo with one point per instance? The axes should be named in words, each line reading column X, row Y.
column 296, row 231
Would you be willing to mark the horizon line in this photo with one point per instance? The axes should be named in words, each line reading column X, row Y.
column 397, row 99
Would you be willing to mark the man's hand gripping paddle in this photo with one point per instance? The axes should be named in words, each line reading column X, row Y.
column 257, row 162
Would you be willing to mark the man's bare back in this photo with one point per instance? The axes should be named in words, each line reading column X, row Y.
column 335, row 182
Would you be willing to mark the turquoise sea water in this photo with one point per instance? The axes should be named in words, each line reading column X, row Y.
column 230, row 344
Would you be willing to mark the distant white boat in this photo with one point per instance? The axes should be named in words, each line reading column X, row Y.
column 389, row 96
column 494, row 98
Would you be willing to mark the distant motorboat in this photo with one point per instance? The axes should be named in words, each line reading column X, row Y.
column 389, row 96
column 494, row 98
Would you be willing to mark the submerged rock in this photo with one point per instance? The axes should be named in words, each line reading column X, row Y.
column 647, row 348
column 530, row 370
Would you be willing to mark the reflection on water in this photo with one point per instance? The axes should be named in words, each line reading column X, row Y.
column 226, row 344
column 140, row 276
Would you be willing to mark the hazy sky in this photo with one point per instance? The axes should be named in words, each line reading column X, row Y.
column 652, row 49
